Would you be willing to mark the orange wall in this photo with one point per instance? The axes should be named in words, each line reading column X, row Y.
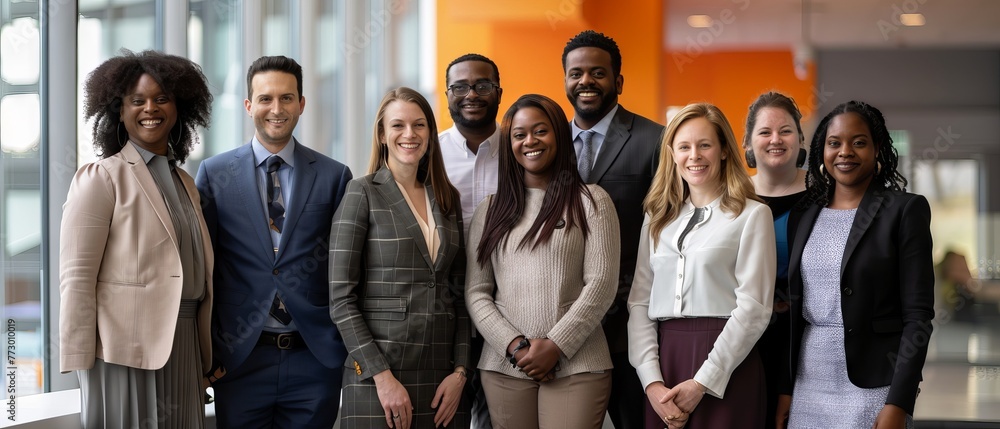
column 733, row 80
column 526, row 38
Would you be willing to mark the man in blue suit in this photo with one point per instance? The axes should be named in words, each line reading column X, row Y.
column 278, row 357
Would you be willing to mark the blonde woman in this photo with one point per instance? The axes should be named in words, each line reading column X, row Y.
column 704, row 281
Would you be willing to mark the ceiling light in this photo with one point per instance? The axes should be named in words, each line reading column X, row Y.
column 700, row 21
column 912, row 19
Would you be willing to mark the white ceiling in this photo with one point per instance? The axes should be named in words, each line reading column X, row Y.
column 870, row 24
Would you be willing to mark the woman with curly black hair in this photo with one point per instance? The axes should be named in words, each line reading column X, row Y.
column 861, row 279
column 136, row 258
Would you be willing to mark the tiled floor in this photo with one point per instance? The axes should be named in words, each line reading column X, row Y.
column 961, row 387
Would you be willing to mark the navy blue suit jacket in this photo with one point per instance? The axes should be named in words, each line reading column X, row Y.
column 248, row 270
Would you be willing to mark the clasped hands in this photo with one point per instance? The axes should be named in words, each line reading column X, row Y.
column 675, row 405
column 538, row 360
column 395, row 400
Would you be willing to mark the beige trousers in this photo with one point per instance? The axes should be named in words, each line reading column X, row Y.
column 577, row 401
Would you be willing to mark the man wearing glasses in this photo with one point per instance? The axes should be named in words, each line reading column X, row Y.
column 470, row 150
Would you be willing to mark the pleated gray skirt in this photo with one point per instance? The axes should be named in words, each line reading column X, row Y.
column 116, row 396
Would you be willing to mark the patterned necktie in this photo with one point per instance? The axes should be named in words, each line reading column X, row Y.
column 586, row 154
column 275, row 202
column 276, row 215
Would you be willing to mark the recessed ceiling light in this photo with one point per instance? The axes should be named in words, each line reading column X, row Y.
column 912, row 19
column 700, row 21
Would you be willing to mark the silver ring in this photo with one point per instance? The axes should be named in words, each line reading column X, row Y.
column 395, row 416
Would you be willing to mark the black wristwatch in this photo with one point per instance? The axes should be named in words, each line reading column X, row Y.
column 523, row 344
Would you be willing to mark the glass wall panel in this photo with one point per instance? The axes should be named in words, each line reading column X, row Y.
column 20, row 194
column 104, row 28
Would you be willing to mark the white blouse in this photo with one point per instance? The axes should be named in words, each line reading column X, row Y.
column 725, row 268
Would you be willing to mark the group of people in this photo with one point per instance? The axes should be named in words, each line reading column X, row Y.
column 537, row 272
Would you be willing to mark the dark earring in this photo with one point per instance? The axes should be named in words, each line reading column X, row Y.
column 118, row 134
column 751, row 161
column 180, row 130
column 801, row 160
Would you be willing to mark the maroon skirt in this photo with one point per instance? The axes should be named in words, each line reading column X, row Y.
column 684, row 347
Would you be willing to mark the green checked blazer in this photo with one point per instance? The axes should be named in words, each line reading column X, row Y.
column 394, row 308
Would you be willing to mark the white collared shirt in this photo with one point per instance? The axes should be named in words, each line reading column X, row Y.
column 474, row 175
column 725, row 268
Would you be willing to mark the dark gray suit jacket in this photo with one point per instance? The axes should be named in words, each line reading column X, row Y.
column 394, row 308
column 624, row 168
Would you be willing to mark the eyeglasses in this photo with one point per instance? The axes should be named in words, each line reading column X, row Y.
column 482, row 88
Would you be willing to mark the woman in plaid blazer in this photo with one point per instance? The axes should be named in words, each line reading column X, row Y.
column 396, row 268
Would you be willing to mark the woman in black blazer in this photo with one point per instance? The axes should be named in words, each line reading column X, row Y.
column 861, row 280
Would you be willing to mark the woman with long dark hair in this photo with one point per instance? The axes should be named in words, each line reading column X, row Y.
column 135, row 253
column 543, row 269
column 861, row 277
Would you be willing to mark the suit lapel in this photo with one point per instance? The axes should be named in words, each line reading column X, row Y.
column 393, row 196
column 145, row 179
column 801, row 237
column 870, row 205
column 618, row 134
column 243, row 168
column 303, row 178
column 440, row 228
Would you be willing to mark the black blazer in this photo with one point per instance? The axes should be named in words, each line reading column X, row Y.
column 887, row 292
column 624, row 168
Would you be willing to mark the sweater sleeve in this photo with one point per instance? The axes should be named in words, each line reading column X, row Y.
column 480, row 286
column 643, row 348
column 600, row 277
column 755, row 273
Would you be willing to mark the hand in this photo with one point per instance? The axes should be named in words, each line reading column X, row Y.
column 781, row 413
column 687, row 395
column 217, row 375
column 542, row 357
column 891, row 417
column 447, row 397
column 395, row 400
column 672, row 416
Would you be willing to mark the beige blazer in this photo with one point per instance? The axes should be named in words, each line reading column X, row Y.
column 120, row 271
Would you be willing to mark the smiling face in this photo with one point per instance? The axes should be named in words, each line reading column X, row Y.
column 697, row 152
column 405, row 133
column 849, row 153
column 533, row 142
column 775, row 139
column 275, row 106
column 149, row 114
column 591, row 84
column 473, row 110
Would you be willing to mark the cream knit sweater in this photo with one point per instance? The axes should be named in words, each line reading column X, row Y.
column 560, row 290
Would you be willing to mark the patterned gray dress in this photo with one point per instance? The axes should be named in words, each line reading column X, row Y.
column 824, row 397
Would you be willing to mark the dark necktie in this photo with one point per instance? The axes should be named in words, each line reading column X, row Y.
column 586, row 154
column 275, row 202
column 276, row 215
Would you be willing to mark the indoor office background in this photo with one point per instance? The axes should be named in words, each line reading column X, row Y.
column 934, row 72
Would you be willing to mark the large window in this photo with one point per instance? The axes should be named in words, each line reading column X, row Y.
column 21, row 192
column 342, row 84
